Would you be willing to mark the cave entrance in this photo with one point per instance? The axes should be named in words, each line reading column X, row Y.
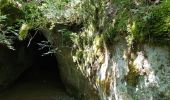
column 44, row 67
column 41, row 81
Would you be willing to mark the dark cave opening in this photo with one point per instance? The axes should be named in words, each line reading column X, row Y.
column 41, row 80
column 44, row 68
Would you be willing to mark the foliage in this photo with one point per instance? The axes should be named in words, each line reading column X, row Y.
column 110, row 18
column 66, row 37
column 152, row 24
column 21, row 16
column 5, row 40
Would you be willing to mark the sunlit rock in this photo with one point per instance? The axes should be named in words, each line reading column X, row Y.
column 152, row 64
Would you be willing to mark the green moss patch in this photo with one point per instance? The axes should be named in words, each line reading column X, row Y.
column 154, row 26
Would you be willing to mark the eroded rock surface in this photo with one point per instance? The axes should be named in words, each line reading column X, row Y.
column 144, row 75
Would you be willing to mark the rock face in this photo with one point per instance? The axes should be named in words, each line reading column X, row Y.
column 12, row 64
column 139, row 73
column 142, row 74
column 76, row 84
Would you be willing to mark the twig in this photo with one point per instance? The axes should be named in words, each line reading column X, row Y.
column 31, row 39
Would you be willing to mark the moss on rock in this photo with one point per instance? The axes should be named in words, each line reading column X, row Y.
column 133, row 75
column 154, row 26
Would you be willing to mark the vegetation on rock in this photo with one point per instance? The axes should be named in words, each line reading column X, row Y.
column 103, row 22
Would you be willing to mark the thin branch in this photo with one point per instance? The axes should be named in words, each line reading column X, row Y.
column 32, row 38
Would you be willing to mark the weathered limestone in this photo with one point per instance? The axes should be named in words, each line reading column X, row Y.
column 148, row 79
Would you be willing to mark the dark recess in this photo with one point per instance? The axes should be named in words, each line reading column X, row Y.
column 44, row 68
